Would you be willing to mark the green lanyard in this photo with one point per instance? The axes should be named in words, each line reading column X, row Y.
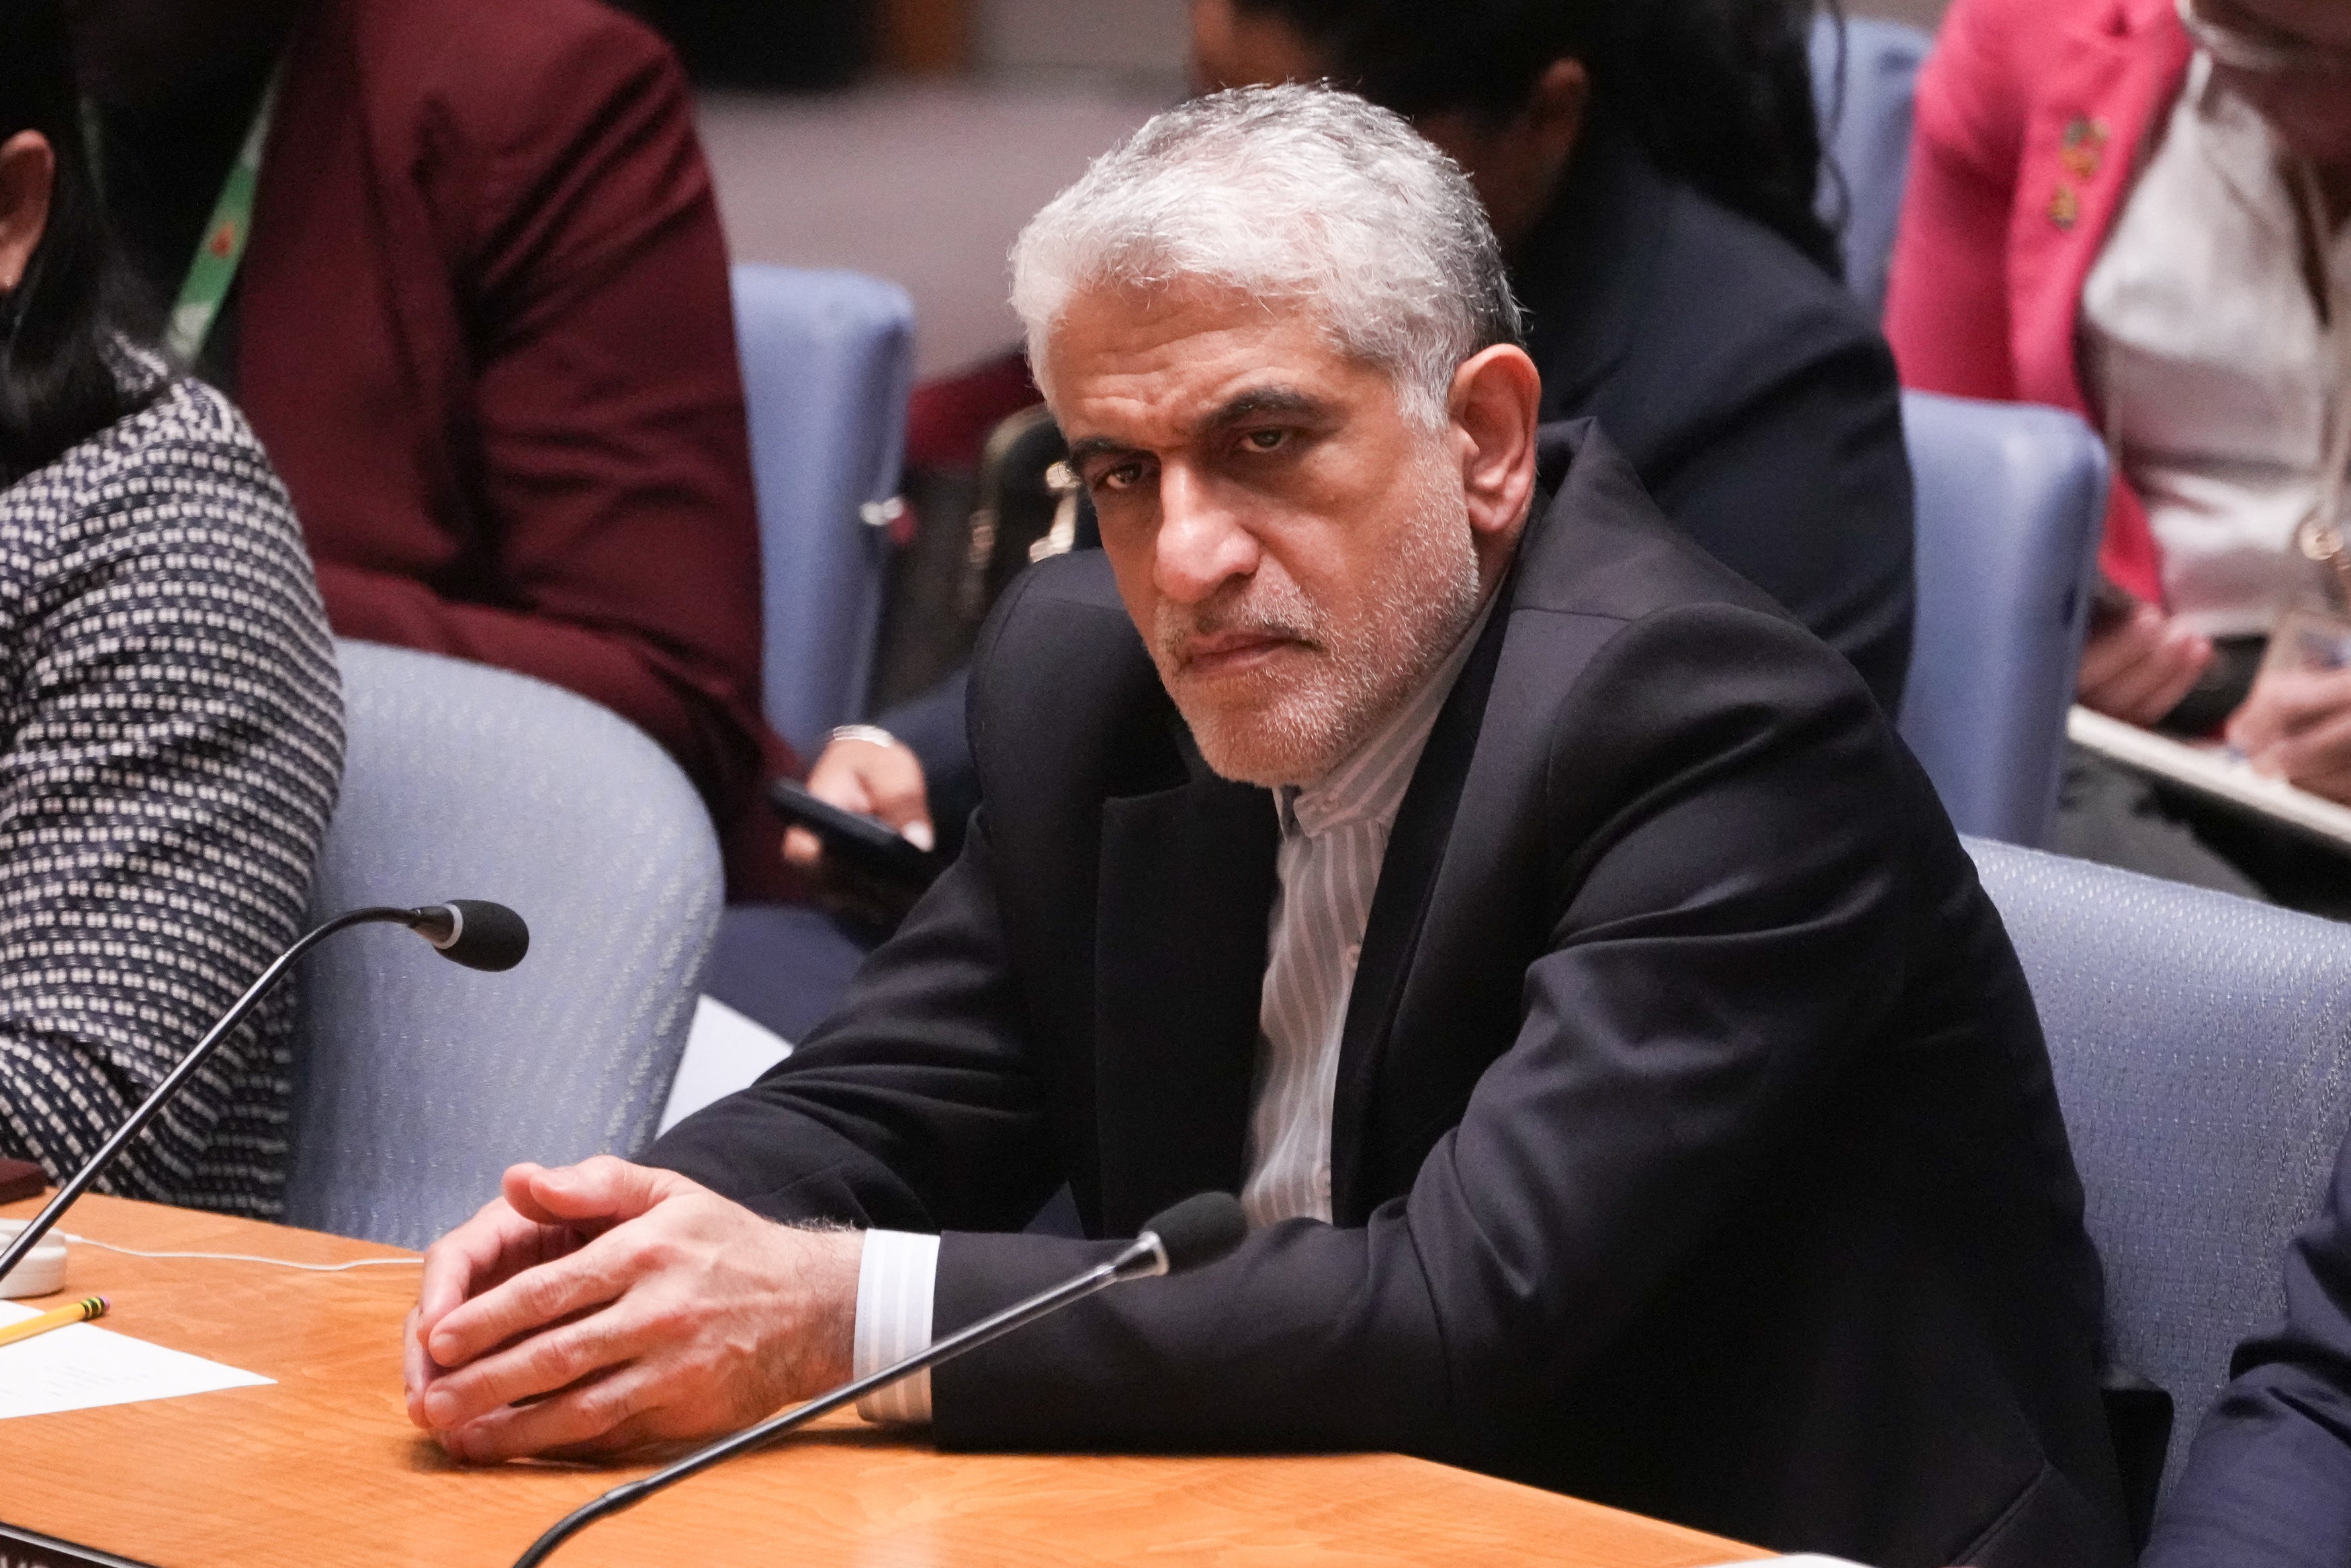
column 220, row 249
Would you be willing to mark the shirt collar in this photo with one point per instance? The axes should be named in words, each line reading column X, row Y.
column 2231, row 135
column 1370, row 785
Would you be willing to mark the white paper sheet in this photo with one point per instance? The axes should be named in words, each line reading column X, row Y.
column 723, row 1054
column 83, row 1366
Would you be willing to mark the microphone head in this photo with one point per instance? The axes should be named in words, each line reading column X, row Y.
column 1199, row 1231
column 476, row 934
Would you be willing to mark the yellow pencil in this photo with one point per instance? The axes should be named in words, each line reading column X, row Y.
column 82, row 1311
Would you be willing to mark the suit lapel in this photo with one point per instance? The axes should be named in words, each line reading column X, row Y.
column 1400, row 905
column 1186, row 885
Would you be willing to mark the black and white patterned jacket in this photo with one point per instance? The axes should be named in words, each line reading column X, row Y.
column 171, row 743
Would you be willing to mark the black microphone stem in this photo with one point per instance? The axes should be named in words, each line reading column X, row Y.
column 1141, row 1260
column 93, row 1167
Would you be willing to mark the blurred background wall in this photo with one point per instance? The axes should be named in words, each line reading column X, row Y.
column 803, row 44
column 1135, row 34
column 911, row 139
column 1918, row 13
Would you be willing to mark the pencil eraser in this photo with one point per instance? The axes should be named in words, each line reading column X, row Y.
column 43, row 1270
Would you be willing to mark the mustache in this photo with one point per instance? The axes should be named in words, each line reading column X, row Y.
column 1287, row 619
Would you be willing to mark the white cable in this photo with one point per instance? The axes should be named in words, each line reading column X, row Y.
column 246, row 1258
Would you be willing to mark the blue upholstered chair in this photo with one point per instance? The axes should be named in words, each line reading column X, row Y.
column 417, row 1082
column 2010, row 502
column 2202, row 1050
column 828, row 362
column 1865, row 111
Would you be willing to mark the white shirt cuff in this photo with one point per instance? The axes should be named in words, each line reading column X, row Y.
column 894, row 1280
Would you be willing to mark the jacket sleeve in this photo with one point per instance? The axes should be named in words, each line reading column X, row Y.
column 1947, row 298
column 2268, row 1482
column 1691, row 1016
column 620, row 537
column 174, row 742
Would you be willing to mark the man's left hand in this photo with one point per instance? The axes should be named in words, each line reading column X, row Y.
column 2297, row 725
column 605, row 1305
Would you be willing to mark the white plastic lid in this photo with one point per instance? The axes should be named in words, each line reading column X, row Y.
column 42, row 1273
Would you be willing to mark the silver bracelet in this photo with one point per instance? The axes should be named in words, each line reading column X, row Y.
column 871, row 735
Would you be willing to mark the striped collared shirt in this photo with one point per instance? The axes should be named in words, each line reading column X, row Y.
column 1334, row 838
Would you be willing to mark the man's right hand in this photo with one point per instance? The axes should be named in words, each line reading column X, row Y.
column 2139, row 666
column 602, row 1306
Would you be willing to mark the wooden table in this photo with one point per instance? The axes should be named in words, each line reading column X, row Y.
column 324, row 1468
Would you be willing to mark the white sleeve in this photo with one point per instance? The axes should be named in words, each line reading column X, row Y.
column 895, row 1281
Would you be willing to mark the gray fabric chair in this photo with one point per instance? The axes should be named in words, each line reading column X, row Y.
column 417, row 1082
column 828, row 362
column 1865, row 85
column 2202, row 1050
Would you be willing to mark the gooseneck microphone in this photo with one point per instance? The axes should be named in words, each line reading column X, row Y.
column 469, row 931
column 1197, row 1232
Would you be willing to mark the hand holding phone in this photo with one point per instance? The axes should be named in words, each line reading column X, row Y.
column 864, row 858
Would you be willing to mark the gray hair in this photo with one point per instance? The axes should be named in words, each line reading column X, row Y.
column 1297, row 194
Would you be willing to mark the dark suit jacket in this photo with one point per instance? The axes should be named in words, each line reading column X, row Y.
column 2268, row 1482
column 485, row 333
column 1752, row 393
column 1694, row 1146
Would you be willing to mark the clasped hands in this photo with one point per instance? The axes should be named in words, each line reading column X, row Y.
column 603, row 1307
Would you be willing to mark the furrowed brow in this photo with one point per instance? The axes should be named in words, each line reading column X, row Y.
column 1092, row 447
column 1250, row 405
column 1257, row 404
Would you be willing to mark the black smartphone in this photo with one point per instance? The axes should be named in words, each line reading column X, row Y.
column 862, row 842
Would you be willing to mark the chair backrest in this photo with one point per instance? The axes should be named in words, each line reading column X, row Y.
column 2202, row 1050
column 417, row 1082
column 828, row 363
column 1865, row 83
column 2010, row 497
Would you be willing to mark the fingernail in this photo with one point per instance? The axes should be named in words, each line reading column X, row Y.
column 440, row 1407
column 918, row 834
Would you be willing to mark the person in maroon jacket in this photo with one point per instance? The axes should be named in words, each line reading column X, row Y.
column 476, row 307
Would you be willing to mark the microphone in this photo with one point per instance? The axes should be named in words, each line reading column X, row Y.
column 469, row 931
column 472, row 932
column 1193, row 1233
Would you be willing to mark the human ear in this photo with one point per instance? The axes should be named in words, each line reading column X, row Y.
column 28, row 167
column 1553, row 116
column 1495, row 395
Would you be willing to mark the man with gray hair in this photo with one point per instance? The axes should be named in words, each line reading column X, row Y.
column 1629, row 1087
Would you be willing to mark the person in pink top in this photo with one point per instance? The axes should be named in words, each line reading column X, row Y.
column 2136, row 210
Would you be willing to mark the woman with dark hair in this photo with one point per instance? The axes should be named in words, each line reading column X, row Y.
column 171, row 734
column 1651, row 166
